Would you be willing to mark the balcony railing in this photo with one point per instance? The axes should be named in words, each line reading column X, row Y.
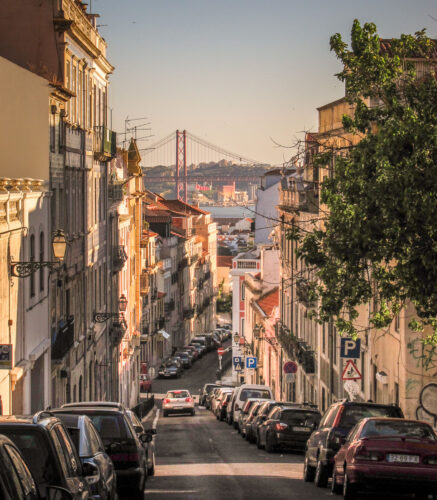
column 118, row 330
column 115, row 191
column 183, row 263
column 119, row 258
column 63, row 339
column 303, row 197
column 174, row 278
column 189, row 313
column 207, row 275
column 194, row 259
column 169, row 306
column 144, row 283
column 105, row 143
column 161, row 323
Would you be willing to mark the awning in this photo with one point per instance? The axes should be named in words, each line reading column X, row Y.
column 164, row 334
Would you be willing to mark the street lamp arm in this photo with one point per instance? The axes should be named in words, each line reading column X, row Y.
column 24, row 269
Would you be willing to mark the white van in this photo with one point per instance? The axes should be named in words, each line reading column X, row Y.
column 247, row 391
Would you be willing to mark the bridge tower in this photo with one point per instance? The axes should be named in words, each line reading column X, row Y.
column 181, row 165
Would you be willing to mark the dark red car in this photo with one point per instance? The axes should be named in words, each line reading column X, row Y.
column 391, row 454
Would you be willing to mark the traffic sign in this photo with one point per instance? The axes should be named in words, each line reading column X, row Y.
column 238, row 367
column 250, row 361
column 237, row 360
column 290, row 367
column 220, row 351
column 351, row 371
column 350, row 348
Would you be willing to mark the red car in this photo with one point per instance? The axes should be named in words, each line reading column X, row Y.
column 390, row 454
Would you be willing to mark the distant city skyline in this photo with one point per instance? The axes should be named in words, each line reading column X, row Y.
column 242, row 74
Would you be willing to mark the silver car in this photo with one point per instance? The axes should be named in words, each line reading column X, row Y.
column 179, row 401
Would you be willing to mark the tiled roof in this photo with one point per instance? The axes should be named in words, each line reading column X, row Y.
column 269, row 301
column 183, row 208
column 224, row 260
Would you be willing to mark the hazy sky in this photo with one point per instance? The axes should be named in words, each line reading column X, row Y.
column 237, row 72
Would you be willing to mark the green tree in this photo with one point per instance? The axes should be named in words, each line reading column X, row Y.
column 379, row 237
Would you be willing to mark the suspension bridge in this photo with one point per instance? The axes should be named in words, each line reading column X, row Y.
column 185, row 153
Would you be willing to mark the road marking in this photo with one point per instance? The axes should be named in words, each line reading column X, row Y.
column 155, row 420
column 286, row 470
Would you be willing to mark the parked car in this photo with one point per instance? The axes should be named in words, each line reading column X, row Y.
column 203, row 393
column 244, row 413
column 193, row 350
column 220, row 412
column 246, row 430
column 387, row 454
column 121, row 444
column 203, row 341
column 336, row 423
column 185, row 357
column 199, row 346
column 179, row 401
column 288, row 427
column 245, row 391
column 96, row 463
column 16, row 481
column 100, row 404
column 218, row 393
column 146, row 437
column 48, row 452
column 169, row 369
column 264, row 409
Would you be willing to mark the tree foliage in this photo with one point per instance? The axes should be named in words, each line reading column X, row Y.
column 379, row 239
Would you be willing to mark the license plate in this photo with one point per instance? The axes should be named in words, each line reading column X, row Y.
column 178, row 407
column 403, row 459
column 301, row 429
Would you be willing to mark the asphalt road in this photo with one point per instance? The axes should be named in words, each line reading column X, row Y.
column 201, row 458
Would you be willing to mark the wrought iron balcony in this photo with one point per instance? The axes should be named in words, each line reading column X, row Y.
column 63, row 339
column 169, row 306
column 105, row 143
column 207, row 275
column 302, row 196
column 189, row 313
column 174, row 278
column 161, row 323
column 183, row 263
column 119, row 258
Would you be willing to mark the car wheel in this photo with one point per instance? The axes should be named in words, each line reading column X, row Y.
column 349, row 490
column 321, row 477
column 270, row 443
column 151, row 470
column 308, row 471
column 235, row 424
column 258, row 442
column 336, row 488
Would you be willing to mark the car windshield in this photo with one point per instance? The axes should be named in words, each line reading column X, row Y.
column 178, row 394
column 391, row 428
column 111, row 427
column 170, row 364
column 182, row 354
column 37, row 454
column 298, row 417
column 209, row 388
column 354, row 413
column 254, row 393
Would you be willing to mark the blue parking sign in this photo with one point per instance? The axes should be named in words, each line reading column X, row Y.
column 350, row 348
column 250, row 361
column 237, row 360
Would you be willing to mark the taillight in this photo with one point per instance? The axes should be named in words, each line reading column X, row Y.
column 224, row 403
column 430, row 460
column 166, row 400
column 361, row 453
column 189, row 400
column 281, row 427
column 133, row 457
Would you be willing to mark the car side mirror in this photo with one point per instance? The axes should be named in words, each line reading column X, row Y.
column 58, row 493
column 139, row 429
column 146, row 438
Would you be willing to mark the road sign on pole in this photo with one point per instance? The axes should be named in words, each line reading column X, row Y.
column 220, row 351
column 238, row 367
column 250, row 361
column 237, row 360
column 350, row 348
column 351, row 371
column 290, row 367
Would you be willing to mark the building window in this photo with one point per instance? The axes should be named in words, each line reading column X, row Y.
column 242, row 291
column 41, row 259
column 32, row 258
column 397, row 321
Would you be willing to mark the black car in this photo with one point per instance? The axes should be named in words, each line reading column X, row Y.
column 288, row 427
column 147, row 441
column 101, row 474
column 335, row 425
column 49, row 453
column 185, row 358
column 169, row 370
column 121, row 444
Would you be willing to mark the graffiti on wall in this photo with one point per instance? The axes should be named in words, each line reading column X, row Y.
column 424, row 354
column 428, row 404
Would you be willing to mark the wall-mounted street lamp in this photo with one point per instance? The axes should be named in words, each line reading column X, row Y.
column 101, row 317
column 25, row 269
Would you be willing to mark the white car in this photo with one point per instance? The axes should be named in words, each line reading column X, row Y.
column 179, row 401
